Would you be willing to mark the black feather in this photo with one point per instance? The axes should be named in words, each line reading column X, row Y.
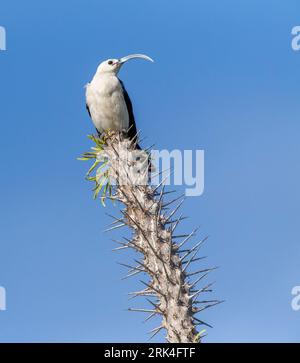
column 132, row 131
column 88, row 110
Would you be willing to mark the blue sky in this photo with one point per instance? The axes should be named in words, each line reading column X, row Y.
column 225, row 80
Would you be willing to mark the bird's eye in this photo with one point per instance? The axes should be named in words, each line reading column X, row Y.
column 110, row 62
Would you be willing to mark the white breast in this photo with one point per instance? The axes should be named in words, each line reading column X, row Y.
column 104, row 97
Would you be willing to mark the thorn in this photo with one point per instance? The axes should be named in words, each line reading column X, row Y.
column 145, row 267
column 175, row 210
column 201, row 271
column 161, row 196
column 174, row 200
column 134, row 140
column 141, row 207
column 208, row 301
column 127, row 240
column 159, row 173
column 144, row 310
column 115, row 218
column 131, row 274
column 112, row 146
column 180, row 236
column 157, row 219
column 155, row 331
column 141, row 293
column 196, row 311
column 188, row 237
column 129, row 243
column 115, row 222
column 158, row 328
column 122, row 243
column 175, row 225
column 181, row 218
column 161, row 183
column 124, row 194
column 196, row 247
column 149, row 148
column 199, row 279
column 150, row 316
column 115, row 227
column 120, row 248
column 189, row 262
column 204, row 289
column 153, row 288
column 201, row 322
column 136, row 268
column 195, row 294
column 155, row 306
column 165, row 192
column 195, row 259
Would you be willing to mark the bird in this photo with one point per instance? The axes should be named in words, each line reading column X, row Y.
column 107, row 100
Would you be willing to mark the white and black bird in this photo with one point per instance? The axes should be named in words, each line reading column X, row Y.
column 107, row 100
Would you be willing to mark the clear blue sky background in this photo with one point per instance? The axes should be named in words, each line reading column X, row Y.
column 225, row 80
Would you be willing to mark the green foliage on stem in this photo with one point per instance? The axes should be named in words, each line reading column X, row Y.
column 99, row 172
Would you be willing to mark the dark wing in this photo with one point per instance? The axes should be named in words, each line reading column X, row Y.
column 89, row 112
column 132, row 131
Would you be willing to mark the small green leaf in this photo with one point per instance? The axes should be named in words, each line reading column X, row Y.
column 99, row 187
column 198, row 336
column 104, row 193
column 93, row 167
column 101, row 178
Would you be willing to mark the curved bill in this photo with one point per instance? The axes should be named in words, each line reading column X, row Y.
column 132, row 56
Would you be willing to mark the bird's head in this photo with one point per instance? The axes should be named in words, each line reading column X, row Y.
column 113, row 65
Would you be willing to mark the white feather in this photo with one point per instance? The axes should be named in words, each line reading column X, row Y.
column 104, row 97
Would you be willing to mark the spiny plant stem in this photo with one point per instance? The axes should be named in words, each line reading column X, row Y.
column 162, row 258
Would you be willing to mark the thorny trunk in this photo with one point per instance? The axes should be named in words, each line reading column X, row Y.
column 166, row 262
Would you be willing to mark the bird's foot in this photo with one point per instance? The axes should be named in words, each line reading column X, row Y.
column 107, row 135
